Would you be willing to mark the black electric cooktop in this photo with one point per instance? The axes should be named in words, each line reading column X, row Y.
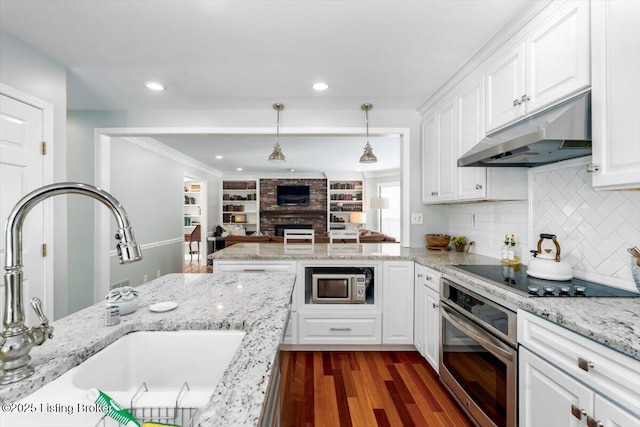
column 515, row 277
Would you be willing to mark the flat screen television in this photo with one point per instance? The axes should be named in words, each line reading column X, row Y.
column 292, row 195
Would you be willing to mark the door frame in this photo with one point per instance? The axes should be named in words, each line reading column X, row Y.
column 102, row 142
column 204, row 203
column 47, row 178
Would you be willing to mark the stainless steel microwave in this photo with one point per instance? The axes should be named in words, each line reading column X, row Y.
column 339, row 288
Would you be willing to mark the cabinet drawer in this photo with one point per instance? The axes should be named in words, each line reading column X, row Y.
column 428, row 276
column 609, row 372
column 220, row 267
column 327, row 329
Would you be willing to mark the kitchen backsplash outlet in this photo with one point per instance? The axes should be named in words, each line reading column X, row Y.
column 487, row 223
column 594, row 228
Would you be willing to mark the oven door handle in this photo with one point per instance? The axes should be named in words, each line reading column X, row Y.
column 490, row 343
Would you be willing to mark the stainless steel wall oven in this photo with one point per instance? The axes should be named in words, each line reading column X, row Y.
column 478, row 355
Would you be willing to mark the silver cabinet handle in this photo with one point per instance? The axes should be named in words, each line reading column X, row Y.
column 253, row 270
column 524, row 98
column 435, row 305
column 584, row 364
column 516, row 102
column 340, row 329
column 434, row 193
column 592, row 422
column 478, row 186
column 419, row 274
column 577, row 412
column 592, row 167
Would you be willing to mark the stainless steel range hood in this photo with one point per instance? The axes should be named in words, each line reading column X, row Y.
column 559, row 133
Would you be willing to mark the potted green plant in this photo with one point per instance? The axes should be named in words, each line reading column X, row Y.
column 459, row 243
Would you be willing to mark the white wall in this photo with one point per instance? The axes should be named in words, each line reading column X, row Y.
column 28, row 70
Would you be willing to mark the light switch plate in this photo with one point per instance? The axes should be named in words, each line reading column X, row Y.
column 416, row 218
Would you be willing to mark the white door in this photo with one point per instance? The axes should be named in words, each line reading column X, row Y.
column 548, row 396
column 505, row 88
column 557, row 57
column 611, row 415
column 21, row 171
column 470, row 104
column 447, row 147
column 430, row 159
column 397, row 302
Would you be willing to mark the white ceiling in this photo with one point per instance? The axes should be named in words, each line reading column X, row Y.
column 250, row 54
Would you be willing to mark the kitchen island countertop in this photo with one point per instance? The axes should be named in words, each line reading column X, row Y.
column 613, row 322
column 256, row 304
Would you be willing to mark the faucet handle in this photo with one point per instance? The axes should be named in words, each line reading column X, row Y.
column 39, row 309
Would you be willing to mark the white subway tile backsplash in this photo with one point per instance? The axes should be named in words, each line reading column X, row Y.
column 594, row 228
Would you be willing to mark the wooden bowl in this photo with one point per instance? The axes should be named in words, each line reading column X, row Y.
column 437, row 240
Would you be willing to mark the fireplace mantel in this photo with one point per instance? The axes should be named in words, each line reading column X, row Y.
column 291, row 213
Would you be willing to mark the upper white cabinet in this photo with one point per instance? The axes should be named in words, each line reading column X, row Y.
column 505, row 89
column 470, row 127
column 439, row 155
column 551, row 64
column 616, row 93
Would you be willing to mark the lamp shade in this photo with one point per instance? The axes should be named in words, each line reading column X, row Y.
column 379, row 203
column 358, row 217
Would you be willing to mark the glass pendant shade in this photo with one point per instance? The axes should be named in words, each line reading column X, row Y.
column 367, row 156
column 277, row 155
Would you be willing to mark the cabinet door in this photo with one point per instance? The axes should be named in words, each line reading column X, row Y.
column 557, row 57
column 418, row 308
column 549, row 397
column 505, row 88
column 611, row 415
column 470, row 105
column 397, row 302
column 447, row 146
column 431, row 327
column 430, row 159
column 616, row 93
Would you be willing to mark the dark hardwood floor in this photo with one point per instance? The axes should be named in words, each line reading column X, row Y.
column 363, row 388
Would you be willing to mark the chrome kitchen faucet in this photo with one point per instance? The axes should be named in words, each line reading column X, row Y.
column 16, row 340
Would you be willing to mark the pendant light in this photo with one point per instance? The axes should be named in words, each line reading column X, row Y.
column 367, row 156
column 276, row 155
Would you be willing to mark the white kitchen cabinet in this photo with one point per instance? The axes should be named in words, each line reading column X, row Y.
column 549, row 65
column 505, row 88
column 557, row 57
column 397, row 302
column 443, row 180
column 615, row 58
column 427, row 314
column 430, row 159
column 549, row 397
column 347, row 327
column 439, row 155
column 471, row 181
column 571, row 380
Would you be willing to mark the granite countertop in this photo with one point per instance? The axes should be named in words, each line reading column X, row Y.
column 255, row 303
column 614, row 322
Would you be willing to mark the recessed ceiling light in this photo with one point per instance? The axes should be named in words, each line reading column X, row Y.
column 291, row 170
column 239, row 169
column 154, row 85
column 218, row 157
column 320, row 86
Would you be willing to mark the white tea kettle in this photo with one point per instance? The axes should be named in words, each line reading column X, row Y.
column 545, row 265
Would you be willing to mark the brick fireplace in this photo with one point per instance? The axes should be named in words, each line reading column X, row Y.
column 315, row 214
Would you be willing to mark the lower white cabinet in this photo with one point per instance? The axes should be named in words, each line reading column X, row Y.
column 427, row 314
column 397, row 302
column 568, row 380
column 339, row 328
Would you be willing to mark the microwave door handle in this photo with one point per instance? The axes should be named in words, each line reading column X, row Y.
column 478, row 334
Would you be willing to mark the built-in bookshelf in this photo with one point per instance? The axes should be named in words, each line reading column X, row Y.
column 240, row 204
column 345, row 197
column 192, row 205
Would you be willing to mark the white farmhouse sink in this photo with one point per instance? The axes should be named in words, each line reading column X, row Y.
column 161, row 360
